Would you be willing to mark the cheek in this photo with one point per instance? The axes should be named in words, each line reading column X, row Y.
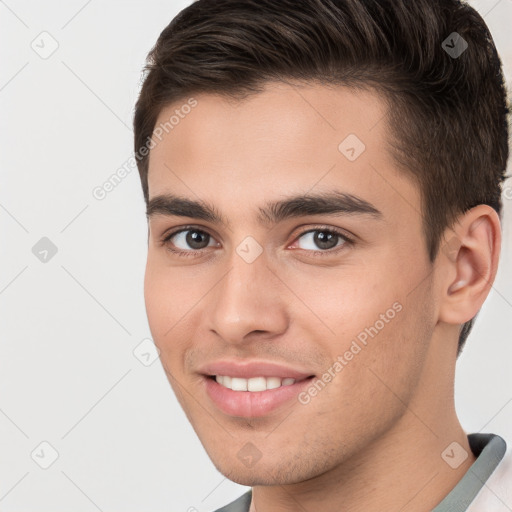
column 371, row 319
column 344, row 302
column 169, row 294
column 156, row 300
column 394, row 352
column 166, row 306
column 376, row 379
column 167, row 302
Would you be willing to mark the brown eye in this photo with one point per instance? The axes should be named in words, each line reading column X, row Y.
column 322, row 239
column 189, row 239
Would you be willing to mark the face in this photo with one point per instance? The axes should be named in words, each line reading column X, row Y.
column 283, row 321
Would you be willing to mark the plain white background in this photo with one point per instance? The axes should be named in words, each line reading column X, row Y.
column 69, row 376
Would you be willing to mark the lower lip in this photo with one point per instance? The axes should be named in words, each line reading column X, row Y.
column 252, row 404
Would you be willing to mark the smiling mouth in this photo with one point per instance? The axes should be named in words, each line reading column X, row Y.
column 254, row 384
column 254, row 395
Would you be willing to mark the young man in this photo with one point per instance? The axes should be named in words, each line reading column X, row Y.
column 323, row 181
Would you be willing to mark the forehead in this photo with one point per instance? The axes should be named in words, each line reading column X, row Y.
column 288, row 139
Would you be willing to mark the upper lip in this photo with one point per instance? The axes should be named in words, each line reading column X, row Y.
column 248, row 369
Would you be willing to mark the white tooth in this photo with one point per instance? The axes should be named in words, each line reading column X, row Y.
column 238, row 384
column 257, row 384
column 253, row 384
column 273, row 382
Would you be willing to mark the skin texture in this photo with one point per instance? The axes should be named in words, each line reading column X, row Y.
column 372, row 438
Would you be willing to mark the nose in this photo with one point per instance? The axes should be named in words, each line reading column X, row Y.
column 249, row 299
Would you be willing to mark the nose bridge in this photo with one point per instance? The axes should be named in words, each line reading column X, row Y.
column 238, row 292
column 245, row 299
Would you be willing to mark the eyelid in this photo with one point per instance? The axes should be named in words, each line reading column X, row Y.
column 324, row 227
column 347, row 239
column 164, row 239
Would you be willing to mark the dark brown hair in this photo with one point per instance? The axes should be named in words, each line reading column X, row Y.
column 447, row 113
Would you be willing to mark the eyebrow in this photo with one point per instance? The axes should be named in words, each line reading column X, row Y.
column 327, row 203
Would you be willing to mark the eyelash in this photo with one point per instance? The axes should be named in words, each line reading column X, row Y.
column 320, row 253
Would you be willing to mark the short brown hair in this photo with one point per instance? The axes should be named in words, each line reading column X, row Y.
column 447, row 113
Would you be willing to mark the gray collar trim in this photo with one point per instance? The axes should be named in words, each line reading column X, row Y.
column 489, row 450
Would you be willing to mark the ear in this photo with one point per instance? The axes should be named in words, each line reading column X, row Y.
column 469, row 257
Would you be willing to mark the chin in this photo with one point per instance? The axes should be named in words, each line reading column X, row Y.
column 268, row 472
column 251, row 477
